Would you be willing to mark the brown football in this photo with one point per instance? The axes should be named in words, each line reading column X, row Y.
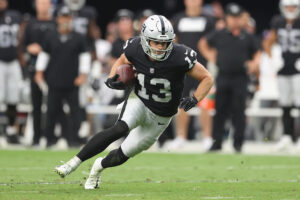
column 126, row 74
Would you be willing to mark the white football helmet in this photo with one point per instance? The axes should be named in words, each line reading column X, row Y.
column 288, row 14
column 75, row 5
column 157, row 28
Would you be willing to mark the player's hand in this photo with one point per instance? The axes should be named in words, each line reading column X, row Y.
column 187, row 103
column 34, row 49
column 39, row 77
column 113, row 83
column 80, row 80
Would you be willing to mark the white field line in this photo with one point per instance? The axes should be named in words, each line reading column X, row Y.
column 123, row 195
column 21, row 191
column 157, row 168
column 156, row 181
column 41, row 183
column 220, row 197
column 23, row 168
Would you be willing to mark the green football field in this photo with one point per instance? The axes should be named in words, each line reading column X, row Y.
column 29, row 175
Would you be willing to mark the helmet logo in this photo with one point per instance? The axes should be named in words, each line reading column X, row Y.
column 144, row 28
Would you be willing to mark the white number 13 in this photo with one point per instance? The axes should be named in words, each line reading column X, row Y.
column 166, row 90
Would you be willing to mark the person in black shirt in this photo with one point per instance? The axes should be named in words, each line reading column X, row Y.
column 10, row 70
column 84, row 23
column 190, row 26
column 32, row 40
column 285, row 29
column 236, row 54
column 67, row 61
column 160, row 67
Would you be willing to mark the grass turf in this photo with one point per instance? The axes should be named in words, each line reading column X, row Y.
column 29, row 175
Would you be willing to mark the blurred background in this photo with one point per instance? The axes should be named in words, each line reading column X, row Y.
column 271, row 126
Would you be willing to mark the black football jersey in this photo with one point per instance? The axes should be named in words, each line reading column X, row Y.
column 159, row 83
column 35, row 33
column 189, row 30
column 289, row 40
column 9, row 27
column 64, row 51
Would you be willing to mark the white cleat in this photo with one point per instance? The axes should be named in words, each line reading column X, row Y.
column 284, row 144
column 63, row 170
column 94, row 178
column 68, row 167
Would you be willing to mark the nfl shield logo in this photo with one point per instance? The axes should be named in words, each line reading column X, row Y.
column 151, row 70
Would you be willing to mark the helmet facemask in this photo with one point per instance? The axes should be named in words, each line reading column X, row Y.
column 157, row 54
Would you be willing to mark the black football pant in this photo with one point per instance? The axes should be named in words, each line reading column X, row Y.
column 56, row 98
column 38, row 120
column 230, row 103
column 36, row 100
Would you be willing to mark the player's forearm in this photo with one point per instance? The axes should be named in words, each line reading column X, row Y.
column 120, row 61
column 207, row 52
column 204, row 87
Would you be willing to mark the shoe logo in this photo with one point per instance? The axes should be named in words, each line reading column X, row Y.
column 160, row 124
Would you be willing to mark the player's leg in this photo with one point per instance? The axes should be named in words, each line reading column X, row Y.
column 36, row 102
column 2, row 96
column 128, row 119
column 73, row 102
column 54, row 103
column 296, row 97
column 98, row 143
column 205, row 118
column 150, row 128
column 238, row 104
column 14, row 78
column 223, row 98
column 286, row 103
column 114, row 158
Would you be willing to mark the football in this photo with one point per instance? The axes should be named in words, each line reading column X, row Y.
column 126, row 74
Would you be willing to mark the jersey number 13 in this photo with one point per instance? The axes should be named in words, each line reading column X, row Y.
column 165, row 90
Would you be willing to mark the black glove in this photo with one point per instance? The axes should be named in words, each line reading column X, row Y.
column 188, row 102
column 113, row 83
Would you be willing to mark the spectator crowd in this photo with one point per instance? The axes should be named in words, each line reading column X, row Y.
column 56, row 61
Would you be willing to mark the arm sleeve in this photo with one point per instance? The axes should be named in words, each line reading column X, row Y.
column 85, row 62
column 190, row 58
column 42, row 61
column 130, row 48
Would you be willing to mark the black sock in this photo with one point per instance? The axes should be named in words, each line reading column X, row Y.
column 114, row 158
column 11, row 113
column 288, row 122
column 101, row 140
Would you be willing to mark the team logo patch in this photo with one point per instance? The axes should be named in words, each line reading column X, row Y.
column 152, row 70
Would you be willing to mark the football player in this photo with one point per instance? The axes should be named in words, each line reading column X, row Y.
column 160, row 68
column 10, row 70
column 285, row 29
